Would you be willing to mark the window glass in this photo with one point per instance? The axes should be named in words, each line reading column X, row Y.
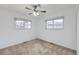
column 58, row 23
column 55, row 23
column 23, row 24
column 50, row 24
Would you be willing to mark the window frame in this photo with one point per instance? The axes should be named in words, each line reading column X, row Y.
column 25, row 20
column 55, row 18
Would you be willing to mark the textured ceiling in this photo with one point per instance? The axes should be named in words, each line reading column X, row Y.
column 20, row 8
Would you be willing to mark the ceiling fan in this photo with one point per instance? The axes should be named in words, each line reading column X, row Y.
column 36, row 10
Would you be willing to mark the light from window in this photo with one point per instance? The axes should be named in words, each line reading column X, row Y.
column 58, row 23
column 50, row 24
column 28, row 24
column 23, row 24
column 19, row 24
column 55, row 23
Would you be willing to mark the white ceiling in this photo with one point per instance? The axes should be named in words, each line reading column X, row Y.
column 20, row 8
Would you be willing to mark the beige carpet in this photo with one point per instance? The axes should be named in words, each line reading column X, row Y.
column 37, row 47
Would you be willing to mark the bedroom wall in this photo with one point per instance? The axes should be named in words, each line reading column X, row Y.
column 65, row 37
column 78, row 31
column 9, row 35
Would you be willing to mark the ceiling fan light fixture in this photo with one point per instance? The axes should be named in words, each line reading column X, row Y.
column 36, row 10
column 36, row 13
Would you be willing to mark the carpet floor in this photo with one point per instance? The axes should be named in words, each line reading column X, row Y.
column 37, row 47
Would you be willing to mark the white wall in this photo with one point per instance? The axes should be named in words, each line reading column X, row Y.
column 65, row 37
column 9, row 35
column 78, row 31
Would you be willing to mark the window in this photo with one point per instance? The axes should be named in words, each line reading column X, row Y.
column 56, row 23
column 22, row 23
column 50, row 24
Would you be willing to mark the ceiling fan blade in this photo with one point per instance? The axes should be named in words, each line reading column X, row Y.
column 35, row 6
column 43, row 11
column 30, row 13
column 28, row 8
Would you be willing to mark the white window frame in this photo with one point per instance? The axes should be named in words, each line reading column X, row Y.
column 25, row 21
column 53, row 19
